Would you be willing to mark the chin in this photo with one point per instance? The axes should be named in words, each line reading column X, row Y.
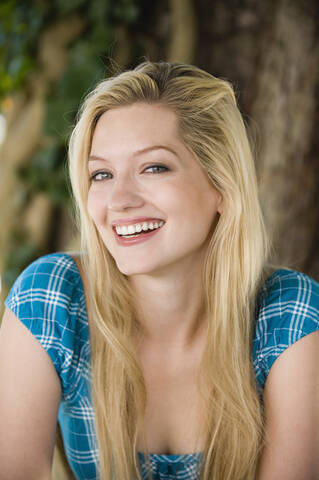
column 134, row 269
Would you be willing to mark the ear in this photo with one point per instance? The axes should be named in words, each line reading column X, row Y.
column 219, row 203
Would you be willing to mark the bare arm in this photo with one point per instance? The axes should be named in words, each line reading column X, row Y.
column 29, row 401
column 291, row 400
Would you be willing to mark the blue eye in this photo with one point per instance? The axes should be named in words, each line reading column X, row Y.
column 94, row 176
column 157, row 168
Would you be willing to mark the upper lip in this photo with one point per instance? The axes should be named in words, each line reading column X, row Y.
column 132, row 221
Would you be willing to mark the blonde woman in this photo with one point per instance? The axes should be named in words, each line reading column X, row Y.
column 168, row 348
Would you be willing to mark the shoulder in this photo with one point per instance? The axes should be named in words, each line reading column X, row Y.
column 48, row 298
column 47, row 278
column 287, row 355
column 56, row 266
column 46, row 287
column 287, row 310
column 288, row 295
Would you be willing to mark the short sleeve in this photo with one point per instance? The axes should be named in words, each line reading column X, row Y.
column 288, row 310
column 46, row 299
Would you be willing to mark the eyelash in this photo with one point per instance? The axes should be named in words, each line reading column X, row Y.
column 93, row 179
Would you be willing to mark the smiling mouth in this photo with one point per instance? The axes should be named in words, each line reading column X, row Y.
column 137, row 234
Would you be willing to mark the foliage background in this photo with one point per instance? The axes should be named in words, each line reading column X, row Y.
column 53, row 53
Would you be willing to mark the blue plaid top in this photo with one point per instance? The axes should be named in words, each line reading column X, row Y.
column 48, row 297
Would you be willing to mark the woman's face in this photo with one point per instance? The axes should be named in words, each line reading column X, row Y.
column 143, row 176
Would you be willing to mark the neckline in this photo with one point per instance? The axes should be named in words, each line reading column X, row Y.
column 163, row 456
column 190, row 456
column 173, row 457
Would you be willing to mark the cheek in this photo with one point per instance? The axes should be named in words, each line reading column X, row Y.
column 182, row 199
column 96, row 208
column 201, row 207
column 192, row 199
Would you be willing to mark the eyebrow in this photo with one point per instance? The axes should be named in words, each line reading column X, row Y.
column 93, row 158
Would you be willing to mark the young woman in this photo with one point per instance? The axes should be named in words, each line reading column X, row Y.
column 172, row 348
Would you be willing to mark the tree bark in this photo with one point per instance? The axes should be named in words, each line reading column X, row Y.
column 270, row 53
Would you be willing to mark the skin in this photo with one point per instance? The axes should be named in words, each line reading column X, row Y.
column 167, row 266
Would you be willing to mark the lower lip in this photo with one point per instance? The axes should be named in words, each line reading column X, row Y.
column 143, row 237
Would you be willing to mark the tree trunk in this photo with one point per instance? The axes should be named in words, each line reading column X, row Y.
column 268, row 50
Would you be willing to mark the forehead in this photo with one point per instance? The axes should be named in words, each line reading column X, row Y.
column 124, row 133
column 140, row 124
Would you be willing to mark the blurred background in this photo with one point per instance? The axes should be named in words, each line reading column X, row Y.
column 54, row 52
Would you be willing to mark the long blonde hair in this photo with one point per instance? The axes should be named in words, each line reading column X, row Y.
column 212, row 127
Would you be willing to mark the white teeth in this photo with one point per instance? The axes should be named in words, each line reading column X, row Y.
column 137, row 228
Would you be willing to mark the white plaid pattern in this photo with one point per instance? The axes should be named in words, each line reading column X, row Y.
column 48, row 297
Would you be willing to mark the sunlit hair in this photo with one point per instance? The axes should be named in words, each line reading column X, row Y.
column 211, row 125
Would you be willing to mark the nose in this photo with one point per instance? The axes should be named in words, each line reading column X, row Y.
column 124, row 195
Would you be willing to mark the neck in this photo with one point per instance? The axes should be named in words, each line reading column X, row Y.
column 170, row 308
